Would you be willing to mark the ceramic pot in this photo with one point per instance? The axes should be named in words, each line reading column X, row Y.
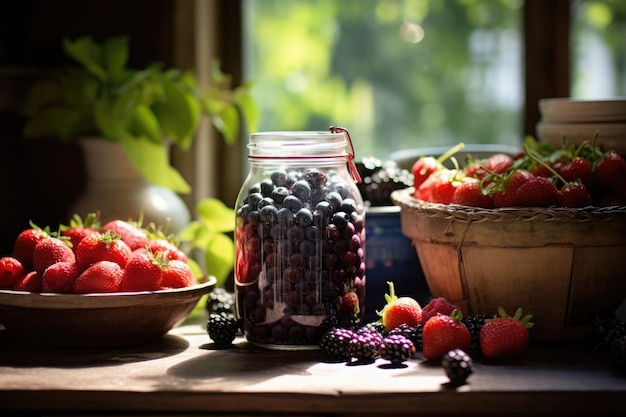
column 117, row 190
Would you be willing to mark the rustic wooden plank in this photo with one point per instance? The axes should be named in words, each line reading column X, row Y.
column 185, row 373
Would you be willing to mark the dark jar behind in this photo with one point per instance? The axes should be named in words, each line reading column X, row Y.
column 299, row 239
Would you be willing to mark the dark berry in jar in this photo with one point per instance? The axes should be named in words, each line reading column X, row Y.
column 268, row 214
column 302, row 190
column 279, row 178
column 292, row 203
column 334, row 199
column 279, row 194
column 304, row 217
column 266, row 188
column 253, row 200
column 315, row 178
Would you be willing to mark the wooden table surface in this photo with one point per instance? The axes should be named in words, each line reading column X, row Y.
column 184, row 374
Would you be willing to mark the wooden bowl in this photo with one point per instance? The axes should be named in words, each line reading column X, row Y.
column 564, row 266
column 98, row 320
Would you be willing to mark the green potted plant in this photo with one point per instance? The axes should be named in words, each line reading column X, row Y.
column 126, row 120
column 145, row 110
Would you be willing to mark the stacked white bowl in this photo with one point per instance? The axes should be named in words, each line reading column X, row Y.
column 578, row 121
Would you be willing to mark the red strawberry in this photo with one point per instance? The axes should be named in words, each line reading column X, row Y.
column 349, row 305
column 573, row 195
column 439, row 187
column 611, row 173
column 504, row 196
column 505, row 336
column 106, row 247
column 498, row 163
column 178, row 274
column 11, row 270
column 30, row 281
column 143, row 273
column 469, row 193
column 60, row 277
column 78, row 229
column 536, row 192
column 442, row 333
column 423, row 168
column 25, row 245
column 400, row 310
column 578, row 169
column 133, row 236
column 427, row 165
column 50, row 251
column 101, row 277
column 436, row 306
column 168, row 248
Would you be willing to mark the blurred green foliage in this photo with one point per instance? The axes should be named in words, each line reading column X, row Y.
column 400, row 74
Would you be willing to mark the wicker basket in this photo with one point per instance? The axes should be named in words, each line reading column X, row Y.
column 564, row 266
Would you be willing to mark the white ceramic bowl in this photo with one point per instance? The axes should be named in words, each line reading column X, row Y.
column 566, row 110
column 98, row 320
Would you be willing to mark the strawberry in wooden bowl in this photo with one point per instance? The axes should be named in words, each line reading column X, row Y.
column 548, row 232
column 111, row 286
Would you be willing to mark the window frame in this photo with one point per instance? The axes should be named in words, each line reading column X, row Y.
column 546, row 34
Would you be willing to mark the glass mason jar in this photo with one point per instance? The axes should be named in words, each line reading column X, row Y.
column 299, row 239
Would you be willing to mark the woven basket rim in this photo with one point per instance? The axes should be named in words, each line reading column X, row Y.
column 404, row 198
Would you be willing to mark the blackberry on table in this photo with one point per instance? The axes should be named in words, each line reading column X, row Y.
column 474, row 323
column 222, row 328
column 335, row 343
column 378, row 326
column 397, row 349
column 414, row 334
column 365, row 344
column 220, row 300
column 458, row 366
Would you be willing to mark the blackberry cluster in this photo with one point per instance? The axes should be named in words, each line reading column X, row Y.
column 414, row 334
column 458, row 366
column 365, row 344
column 380, row 179
column 377, row 326
column 474, row 323
column 397, row 349
column 220, row 300
column 222, row 328
column 335, row 343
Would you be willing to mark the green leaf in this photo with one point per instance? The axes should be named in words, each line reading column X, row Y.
column 227, row 122
column 111, row 121
column 219, row 258
column 145, row 123
column 179, row 113
column 215, row 215
column 248, row 109
column 151, row 160
column 66, row 123
column 197, row 233
column 115, row 55
column 88, row 53
column 42, row 94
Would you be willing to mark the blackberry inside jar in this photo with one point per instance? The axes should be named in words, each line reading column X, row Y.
column 300, row 241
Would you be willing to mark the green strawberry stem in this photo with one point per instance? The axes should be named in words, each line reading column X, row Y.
column 390, row 298
column 537, row 158
column 450, row 152
column 525, row 320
